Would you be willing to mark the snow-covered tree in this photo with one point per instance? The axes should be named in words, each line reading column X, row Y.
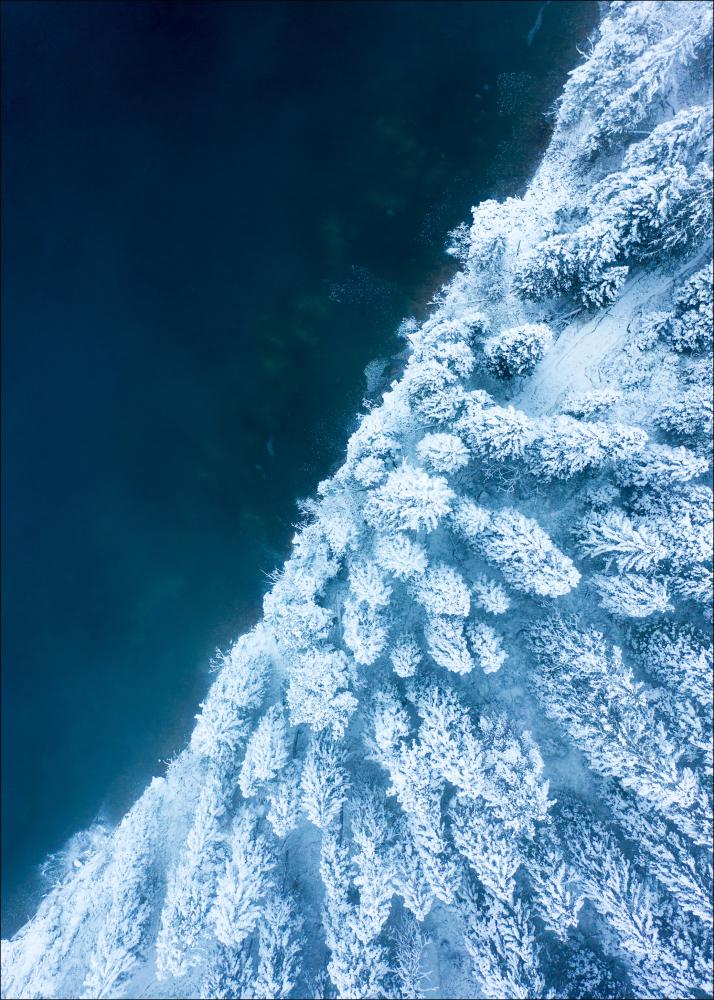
column 443, row 452
column 689, row 326
column 663, row 955
column 487, row 648
column 587, row 404
column 418, row 790
column 471, row 521
column 677, row 658
column 493, row 852
column 520, row 548
column 279, row 948
column 405, row 656
column 378, row 432
column 446, row 642
column 370, row 471
column 446, row 337
column 633, row 63
column 683, row 868
column 632, row 595
column 493, row 764
column 491, row 596
column 284, row 800
column 364, row 630
column 500, row 941
column 230, row 974
column 688, row 413
column 191, row 883
column 633, row 214
column 554, row 890
column 367, row 585
column 409, row 500
column 316, row 692
column 324, row 782
column 364, row 627
column 296, row 624
column 442, row 591
column 517, row 350
column 563, row 447
column 659, row 465
column 357, row 967
column 222, row 725
column 408, row 872
column 408, row 977
column 123, row 933
column 483, row 246
column 244, row 883
column 372, row 864
column 681, row 515
column 435, row 392
column 496, row 432
column 587, row 688
column 401, row 556
column 613, row 535
column 266, row 752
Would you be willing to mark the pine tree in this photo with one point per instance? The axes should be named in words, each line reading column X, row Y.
column 409, row 500
column 418, row 790
column 554, row 890
column 244, row 883
column 443, row 592
column 266, row 753
column 500, row 941
column 447, row 646
column 280, row 947
column 486, row 645
column 316, row 692
column 405, row 656
column 528, row 559
column 517, row 350
column 615, row 536
column 357, row 967
column 491, row 596
column 401, row 556
column 563, row 447
column 222, row 725
column 497, row 433
column 660, row 465
column 632, row 595
column 407, row 976
column 364, row 627
column 324, row 782
column 284, row 801
column 373, row 866
column 123, row 935
column 587, row 404
column 443, row 452
column 586, row 687
column 192, row 883
column 434, row 391
column 663, row 954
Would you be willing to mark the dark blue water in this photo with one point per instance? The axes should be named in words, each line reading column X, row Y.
column 215, row 214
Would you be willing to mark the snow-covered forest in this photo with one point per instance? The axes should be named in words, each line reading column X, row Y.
column 467, row 750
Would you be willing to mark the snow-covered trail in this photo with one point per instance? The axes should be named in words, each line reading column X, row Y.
column 574, row 364
column 583, row 352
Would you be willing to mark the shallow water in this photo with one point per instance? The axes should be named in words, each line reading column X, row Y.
column 214, row 217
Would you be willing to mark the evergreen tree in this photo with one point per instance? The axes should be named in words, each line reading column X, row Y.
column 517, row 350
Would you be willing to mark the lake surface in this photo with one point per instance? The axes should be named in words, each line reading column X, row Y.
column 215, row 215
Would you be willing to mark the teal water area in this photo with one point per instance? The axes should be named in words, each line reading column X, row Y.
column 214, row 216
